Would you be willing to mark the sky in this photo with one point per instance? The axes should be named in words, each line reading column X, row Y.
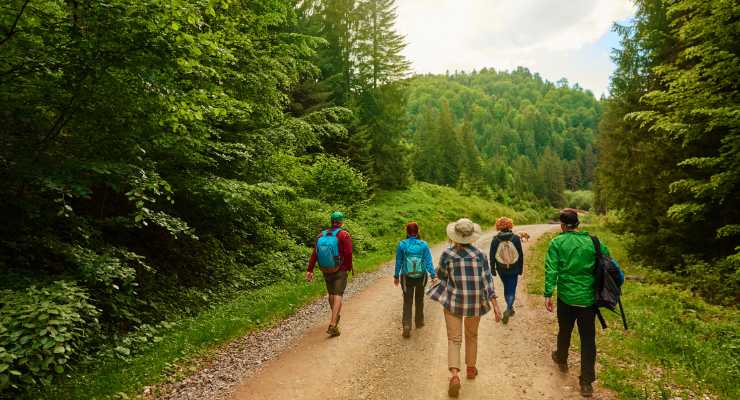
column 557, row 38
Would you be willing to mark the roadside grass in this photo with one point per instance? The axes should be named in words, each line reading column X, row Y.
column 678, row 346
column 177, row 353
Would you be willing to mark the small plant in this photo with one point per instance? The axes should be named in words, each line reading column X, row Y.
column 41, row 330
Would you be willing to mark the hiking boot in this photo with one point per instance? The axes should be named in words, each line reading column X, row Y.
column 454, row 389
column 505, row 319
column 333, row 331
column 587, row 390
column 407, row 331
column 563, row 366
column 471, row 372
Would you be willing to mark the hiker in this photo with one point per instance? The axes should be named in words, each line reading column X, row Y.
column 413, row 263
column 333, row 253
column 465, row 290
column 507, row 260
column 569, row 266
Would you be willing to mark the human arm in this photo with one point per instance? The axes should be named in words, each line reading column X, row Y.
column 552, row 266
column 520, row 262
column 488, row 276
column 345, row 250
column 311, row 265
column 492, row 254
column 399, row 260
column 443, row 266
column 428, row 263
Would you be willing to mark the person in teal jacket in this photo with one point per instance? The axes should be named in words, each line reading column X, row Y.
column 413, row 264
column 569, row 266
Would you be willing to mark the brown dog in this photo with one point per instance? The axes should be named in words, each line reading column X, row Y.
column 524, row 236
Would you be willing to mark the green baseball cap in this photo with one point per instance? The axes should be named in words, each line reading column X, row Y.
column 337, row 216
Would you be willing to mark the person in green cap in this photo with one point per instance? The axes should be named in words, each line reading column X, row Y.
column 333, row 254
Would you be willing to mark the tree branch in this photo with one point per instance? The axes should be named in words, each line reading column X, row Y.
column 12, row 30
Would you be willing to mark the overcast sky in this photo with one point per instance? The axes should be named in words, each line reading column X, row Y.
column 557, row 38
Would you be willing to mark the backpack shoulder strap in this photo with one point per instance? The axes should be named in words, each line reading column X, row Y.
column 597, row 245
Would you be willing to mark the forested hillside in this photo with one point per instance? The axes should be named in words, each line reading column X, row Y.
column 513, row 134
column 669, row 149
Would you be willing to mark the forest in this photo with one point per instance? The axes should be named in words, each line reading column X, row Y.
column 514, row 134
column 160, row 157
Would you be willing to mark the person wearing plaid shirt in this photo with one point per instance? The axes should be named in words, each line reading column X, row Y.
column 465, row 290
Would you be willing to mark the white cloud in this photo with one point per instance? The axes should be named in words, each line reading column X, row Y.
column 553, row 37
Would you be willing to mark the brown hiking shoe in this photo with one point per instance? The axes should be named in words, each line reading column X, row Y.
column 454, row 389
column 333, row 331
column 471, row 372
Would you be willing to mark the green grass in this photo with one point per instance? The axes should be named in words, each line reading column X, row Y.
column 677, row 345
column 193, row 338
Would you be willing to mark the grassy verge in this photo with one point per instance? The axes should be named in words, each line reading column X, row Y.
column 678, row 346
column 169, row 357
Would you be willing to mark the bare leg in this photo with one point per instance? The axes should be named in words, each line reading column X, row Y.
column 336, row 308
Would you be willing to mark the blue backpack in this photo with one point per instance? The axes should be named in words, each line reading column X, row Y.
column 327, row 250
column 413, row 265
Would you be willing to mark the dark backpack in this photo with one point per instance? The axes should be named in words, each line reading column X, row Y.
column 608, row 285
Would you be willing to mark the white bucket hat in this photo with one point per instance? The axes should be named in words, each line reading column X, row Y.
column 463, row 231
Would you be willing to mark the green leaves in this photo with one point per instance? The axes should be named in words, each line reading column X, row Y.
column 34, row 346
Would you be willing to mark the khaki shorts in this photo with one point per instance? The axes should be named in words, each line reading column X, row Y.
column 336, row 282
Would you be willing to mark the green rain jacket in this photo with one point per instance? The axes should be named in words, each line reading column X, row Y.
column 570, row 266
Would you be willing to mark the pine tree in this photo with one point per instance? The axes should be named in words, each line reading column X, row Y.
column 378, row 48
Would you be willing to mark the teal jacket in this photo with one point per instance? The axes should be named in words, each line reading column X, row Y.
column 569, row 266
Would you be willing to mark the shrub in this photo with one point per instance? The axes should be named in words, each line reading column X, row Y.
column 41, row 330
column 333, row 180
column 580, row 199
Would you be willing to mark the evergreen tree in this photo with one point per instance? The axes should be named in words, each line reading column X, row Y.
column 378, row 46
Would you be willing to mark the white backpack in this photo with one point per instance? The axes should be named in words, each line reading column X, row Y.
column 506, row 254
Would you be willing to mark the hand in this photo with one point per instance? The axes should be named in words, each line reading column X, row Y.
column 496, row 311
column 395, row 281
column 434, row 281
column 548, row 304
column 309, row 277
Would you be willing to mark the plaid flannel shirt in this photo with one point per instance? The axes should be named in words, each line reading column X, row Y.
column 466, row 282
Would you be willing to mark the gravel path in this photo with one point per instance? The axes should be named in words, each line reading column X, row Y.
column 370, row 360
column 243, row 357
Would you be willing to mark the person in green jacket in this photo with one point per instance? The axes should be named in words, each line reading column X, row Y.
column 569, row 266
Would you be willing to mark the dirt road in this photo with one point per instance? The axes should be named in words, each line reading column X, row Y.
column 370, row 360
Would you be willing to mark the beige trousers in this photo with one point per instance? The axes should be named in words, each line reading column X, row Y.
column 454, row 339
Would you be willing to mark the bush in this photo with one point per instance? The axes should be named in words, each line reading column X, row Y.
column 41, row 330
column 580, row 199
column 334, row 181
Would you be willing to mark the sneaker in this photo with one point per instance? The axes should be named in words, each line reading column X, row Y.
column 587, row 390
column 472, row 372
column 505, row 319
column 454, row 389
column 407, row 331
column 563, row 366
column 334, row 331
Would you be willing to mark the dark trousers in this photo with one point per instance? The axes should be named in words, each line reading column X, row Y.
column 586, row 318
column 413, row 293
column 509, row 281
